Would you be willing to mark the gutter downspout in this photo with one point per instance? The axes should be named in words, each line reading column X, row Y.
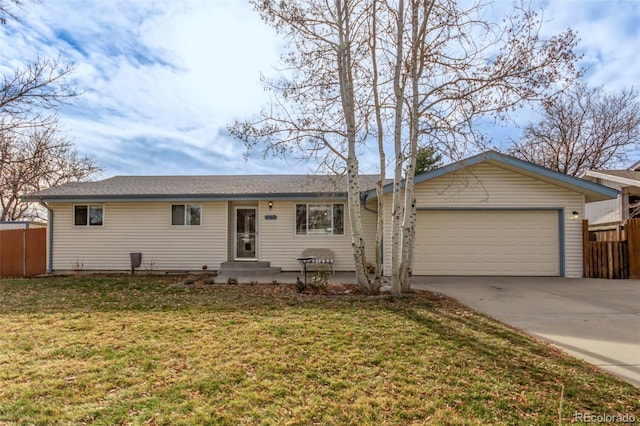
column 49, row 236
column 363, row 199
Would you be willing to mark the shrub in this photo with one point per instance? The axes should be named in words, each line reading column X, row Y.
column 318, row 281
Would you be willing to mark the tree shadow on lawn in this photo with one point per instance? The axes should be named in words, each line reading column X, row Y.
column 513, row 361
column 486, row 341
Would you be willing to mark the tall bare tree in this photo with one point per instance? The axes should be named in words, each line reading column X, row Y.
column 33, row 152
column 582, row 128
column 6, row 9
column 34, row 161
column 317, row 109
column 30, row 95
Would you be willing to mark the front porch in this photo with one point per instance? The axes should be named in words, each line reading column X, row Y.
column 238, row 269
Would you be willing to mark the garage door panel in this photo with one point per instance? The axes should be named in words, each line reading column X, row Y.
column 487, row 242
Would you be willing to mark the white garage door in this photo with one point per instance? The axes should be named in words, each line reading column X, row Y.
column 487, row 242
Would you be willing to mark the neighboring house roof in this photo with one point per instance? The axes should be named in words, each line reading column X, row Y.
column 201, row 188
column 591, row 190
column 624, row 177
column 635, row 166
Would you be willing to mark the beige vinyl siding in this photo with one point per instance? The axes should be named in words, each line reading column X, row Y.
column 279, row 244
column 140, row 227
column 601, row 212
column 485, row 186
column 607, row 211
column 369, row 223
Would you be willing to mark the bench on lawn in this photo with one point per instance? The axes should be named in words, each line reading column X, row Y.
column 317, row 259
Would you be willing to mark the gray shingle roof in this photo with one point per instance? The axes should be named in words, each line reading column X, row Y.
column 226, row 186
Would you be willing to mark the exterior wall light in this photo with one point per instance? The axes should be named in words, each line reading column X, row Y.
column 575, row 214
column 270, row 204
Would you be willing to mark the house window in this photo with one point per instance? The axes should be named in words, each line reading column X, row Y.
column 185, row 214
column 319, row 219
column 88, row 215
column 634, row 206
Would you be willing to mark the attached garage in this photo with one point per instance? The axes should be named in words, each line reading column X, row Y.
column 493, row 215
column 488, row 242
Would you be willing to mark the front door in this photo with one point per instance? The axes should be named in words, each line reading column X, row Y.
column 246, row 236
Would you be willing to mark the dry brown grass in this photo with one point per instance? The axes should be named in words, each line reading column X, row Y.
column 134, row 350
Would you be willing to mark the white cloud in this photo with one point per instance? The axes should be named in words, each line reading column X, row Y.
column 166, row 77
column 165, row 71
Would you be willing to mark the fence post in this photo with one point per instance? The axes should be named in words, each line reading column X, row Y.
column 585, row 248
column 24, row 253
column 633, row 240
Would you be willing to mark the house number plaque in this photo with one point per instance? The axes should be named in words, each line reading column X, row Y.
column 270, row 217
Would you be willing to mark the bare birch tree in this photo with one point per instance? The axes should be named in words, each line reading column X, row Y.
column 420, row 72
column 457, row 68
column 380, row 139
column 317, row 109
column 582, row 128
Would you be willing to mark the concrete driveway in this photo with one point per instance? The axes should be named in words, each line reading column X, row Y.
column 596, row 320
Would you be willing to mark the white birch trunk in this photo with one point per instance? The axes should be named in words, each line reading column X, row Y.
column 355, row 217
column 377, row 281
column 397, row 211
column 348, row 105
column 409, row 219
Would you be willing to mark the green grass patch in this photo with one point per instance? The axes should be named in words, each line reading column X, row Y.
column 138, row 350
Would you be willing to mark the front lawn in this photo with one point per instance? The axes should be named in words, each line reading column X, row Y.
column 136, row 350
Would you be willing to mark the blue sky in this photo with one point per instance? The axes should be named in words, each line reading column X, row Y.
column 162, row 79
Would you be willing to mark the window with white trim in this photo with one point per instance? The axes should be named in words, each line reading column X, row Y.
column 320, row 219
column 88, row 215
column 186, row 214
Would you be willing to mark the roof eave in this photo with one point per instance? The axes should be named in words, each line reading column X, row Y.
column 612, row 178
column 179, row 197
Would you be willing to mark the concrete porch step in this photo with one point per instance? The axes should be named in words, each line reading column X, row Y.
column 245, row 269
column 245, row 265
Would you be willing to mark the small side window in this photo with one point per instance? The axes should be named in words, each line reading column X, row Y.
column 177, row 214
column 186, row 214
column 88, row 215
column 80, row 216
column 301, row 219
column 95, row 215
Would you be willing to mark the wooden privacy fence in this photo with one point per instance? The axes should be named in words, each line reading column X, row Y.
column 23, row 252
column 613, row 259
